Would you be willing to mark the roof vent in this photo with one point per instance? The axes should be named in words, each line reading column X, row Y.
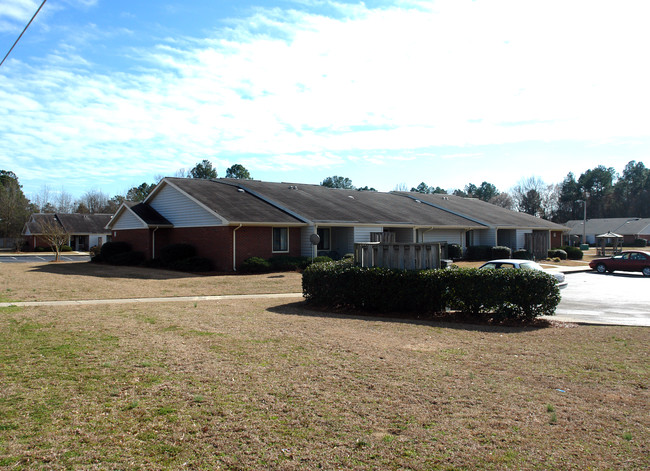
column 418, row 201
column 350, row 196
column 241, row 190
column 293, row 187
column 445, row 198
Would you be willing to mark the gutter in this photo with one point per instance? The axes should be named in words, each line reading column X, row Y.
column 234, row 247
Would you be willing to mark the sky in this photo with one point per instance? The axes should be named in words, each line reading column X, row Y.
column 108, row 94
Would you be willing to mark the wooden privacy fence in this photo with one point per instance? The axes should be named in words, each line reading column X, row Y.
column 420, row 256
column 537, row 244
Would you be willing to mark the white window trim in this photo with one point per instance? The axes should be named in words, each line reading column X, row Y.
column 272, row 244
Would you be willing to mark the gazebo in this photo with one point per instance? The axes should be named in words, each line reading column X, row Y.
column 603, row 239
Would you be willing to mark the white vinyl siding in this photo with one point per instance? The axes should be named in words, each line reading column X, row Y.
column 94, row 239
column 521, row 239
column 362, row 234
column 306, row 247
column 485, row 237
column 128, row 220
column 453, row 236
column 181, row 211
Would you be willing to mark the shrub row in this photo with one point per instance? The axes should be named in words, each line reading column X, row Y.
column 557, row 253
column 522, row 254
column 483, row 294
column 181, row 257
column 278, row 263
column 573, row 253
column 42, row 248
column 487, row 252
column 640, row 242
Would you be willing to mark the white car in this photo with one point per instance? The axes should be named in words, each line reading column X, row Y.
column 526, row 265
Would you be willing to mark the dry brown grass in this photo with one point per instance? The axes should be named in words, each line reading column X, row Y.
column 261, row 384
column 79, row 280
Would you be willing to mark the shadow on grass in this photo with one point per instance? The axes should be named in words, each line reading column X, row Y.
column 110, row 271
column 449, row 321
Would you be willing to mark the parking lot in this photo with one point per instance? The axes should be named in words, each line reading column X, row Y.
column 617, row 298
column 33, row 258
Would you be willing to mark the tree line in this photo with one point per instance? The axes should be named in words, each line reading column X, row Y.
column 606, row 194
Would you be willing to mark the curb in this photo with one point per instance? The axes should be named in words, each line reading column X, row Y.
column 85, row 302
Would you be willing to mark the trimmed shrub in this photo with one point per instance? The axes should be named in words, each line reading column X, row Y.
column 640, row 242
column 288, row 263
column 110, row 250
column 573, row 253
column 557, row 253
column 478, row 252
column 522, row 254
column 40, row 248
column 322, row 259
column 501, row 252
column 128, row 259
column 66, row 248
column 454, row 251
column 255, row 265
column 482, row 294
column 170, row 254
column 193, row 265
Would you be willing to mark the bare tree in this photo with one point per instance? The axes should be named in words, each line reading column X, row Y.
column 503, row 200
column 64, row 202
column 95, row 201
column 55, row 235
column 533, row 196
column 43, row 199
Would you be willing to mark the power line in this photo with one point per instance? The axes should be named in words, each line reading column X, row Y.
column 21, row 34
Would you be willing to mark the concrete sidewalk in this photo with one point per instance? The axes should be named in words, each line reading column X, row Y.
column 174, row 299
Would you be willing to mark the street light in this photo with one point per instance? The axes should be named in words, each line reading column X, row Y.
column 584, row 219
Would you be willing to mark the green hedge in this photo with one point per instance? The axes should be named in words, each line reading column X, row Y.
column 573, row 253
column 557, row 253
column 522, row 254
column 480, row 293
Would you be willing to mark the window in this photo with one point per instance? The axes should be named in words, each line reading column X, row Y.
column 280, row 239
column 324, row 235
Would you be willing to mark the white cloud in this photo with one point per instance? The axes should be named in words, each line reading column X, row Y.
column 305, row 89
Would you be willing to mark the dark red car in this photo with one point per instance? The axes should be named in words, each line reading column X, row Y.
column 626, row 261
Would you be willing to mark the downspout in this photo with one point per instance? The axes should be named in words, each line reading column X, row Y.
column 153, row 242
column 234, row 248
column 428, row 230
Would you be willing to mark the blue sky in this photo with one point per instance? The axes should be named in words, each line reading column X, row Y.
column 107, row 94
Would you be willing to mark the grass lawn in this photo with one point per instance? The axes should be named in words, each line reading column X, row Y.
column 263, row 384
column 82, row 280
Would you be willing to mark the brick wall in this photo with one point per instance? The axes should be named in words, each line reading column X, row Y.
column 214, row 243
column 139, row 239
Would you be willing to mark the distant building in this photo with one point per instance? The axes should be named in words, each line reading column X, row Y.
column 86, row 230
column 629, row 228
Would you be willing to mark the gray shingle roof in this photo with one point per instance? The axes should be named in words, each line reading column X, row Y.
column 150, row 216
column 623, row 226
column 72, row 223
column 324, row 205
column 233, row 205
column 486, row 213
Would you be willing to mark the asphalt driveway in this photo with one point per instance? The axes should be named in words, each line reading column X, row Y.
column 619, row 298
column 34, row 258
